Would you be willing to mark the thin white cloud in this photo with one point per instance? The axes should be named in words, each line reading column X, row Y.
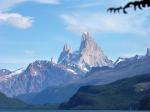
column 73, row 24
column 28, row 52
column 8, row 4
column 100, row 3
column 135, row 23
column 47, row 1
column 16, row 20
column 89, row 4
column 100, row 21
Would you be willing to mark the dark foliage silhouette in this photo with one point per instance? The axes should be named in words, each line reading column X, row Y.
column 136, row 5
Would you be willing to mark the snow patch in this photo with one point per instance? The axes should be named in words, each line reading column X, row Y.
column 85, row 69
column 71, row 71
column 119, row 60
column 15, row 73
column 35, row 74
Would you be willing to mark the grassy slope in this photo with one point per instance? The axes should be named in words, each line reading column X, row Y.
column 118, row 95
column 6, row 102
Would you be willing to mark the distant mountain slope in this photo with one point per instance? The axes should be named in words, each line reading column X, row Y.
column 38, row 76
column 42, row 79
column 124, row 68
column 51, row 95
column 6, row 102
column 42, row 74
column 122, row 94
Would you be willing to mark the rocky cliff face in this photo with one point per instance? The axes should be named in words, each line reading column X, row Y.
column 65, row 55
column 89, row 55
column 38, row 76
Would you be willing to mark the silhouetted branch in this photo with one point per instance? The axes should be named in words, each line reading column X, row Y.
column 136, row 5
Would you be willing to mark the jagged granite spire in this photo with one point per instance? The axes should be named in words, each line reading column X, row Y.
column 67, row 48
column 89, row 55
column 86, row 40
column 65, row 54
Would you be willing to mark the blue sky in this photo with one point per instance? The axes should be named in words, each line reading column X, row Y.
column 37, row 29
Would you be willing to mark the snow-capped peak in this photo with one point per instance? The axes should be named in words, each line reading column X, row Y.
column 86, row 35
column 16, row 72
column 134, row 58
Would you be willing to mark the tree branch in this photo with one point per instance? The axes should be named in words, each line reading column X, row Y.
column 136, row 5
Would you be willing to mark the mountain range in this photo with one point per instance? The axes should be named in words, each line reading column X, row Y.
column 44, row 82
column 41, row 74
column 38, row 76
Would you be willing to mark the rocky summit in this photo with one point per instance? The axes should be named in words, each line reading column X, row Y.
column 89, row 55
column 36, row 77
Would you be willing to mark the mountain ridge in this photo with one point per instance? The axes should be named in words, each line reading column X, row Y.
column 127, row 68
column 36, row 77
